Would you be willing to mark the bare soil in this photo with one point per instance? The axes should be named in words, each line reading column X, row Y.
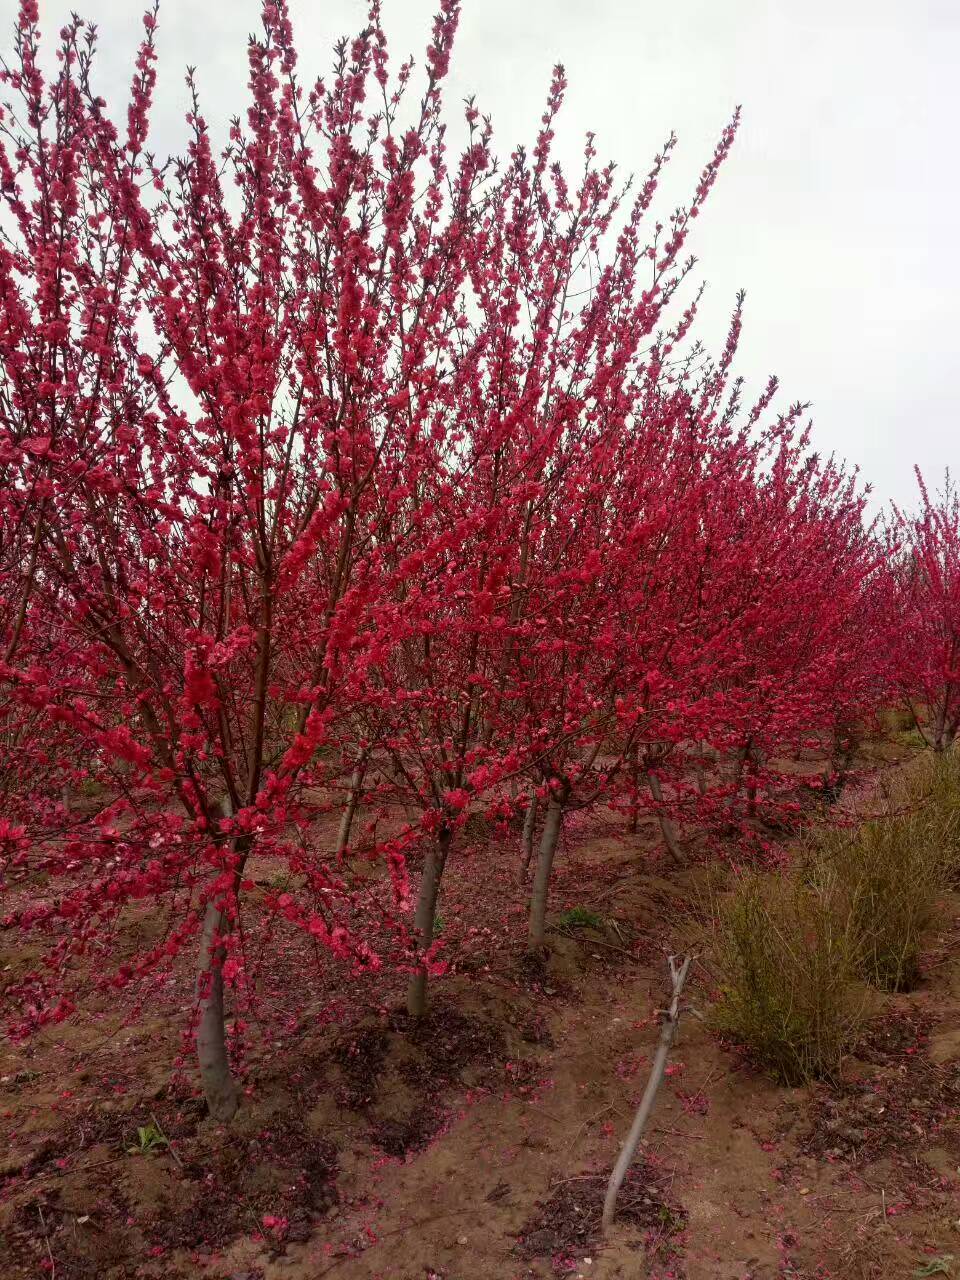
column 476, row 1143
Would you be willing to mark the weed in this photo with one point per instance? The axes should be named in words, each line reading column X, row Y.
column 580, row 918
column 932, row 787
column 150, row 1138
column 937, row 1266
column 896, row 719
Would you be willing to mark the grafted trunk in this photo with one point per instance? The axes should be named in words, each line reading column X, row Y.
column 434, row 861
column 552, row 827
column 667, row 829
column 668, row 1031
column 219, row 1086
column 739, row 763
column 353, row 801
column 529, row 830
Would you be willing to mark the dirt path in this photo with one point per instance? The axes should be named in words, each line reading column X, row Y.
column 743, row 1181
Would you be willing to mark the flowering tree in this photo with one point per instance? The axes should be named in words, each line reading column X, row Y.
column 504, row 654
column 796, row 578
column 584, row 415
column 922, row 612
column 219, row 380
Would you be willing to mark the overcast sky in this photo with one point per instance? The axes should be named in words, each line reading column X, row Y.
column 837, row 211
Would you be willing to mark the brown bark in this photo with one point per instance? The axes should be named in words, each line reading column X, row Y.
column 219, row 1086
column 353, row 801
column 549, row 840
column 940, row 736
column 529, row 830
column 635, row 792
column 434, row 861
column 667, row 829
column 700, row 768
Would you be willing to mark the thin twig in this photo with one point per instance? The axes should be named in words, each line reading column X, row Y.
column 556, row 1119
column 46, row 1241
column 610, row 946
column 586, row 1123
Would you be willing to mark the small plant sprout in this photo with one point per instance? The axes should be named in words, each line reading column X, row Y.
column 150, row 1138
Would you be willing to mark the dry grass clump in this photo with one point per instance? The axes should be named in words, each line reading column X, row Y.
column 788, row 964
column 931, row 788
column 794, row 950
column 886, row 878
column 890, row 872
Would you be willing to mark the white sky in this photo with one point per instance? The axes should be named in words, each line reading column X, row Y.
column 836, row 211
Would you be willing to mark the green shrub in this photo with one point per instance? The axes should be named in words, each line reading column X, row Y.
column 794, row 949
column 788, row 967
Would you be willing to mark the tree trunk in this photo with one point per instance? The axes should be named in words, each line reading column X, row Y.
column 529, row 830
column 837, row 769
column 751, row 798
column 353, row 800
column 700, row 768
column 433, row 863
column 754, row 762
column 942, row 735
column 219, row 1086
column 739, row 762
column 635, row 797
column 541, row 881
column 667, row 829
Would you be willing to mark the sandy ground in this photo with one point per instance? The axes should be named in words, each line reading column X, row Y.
column 476, row 1144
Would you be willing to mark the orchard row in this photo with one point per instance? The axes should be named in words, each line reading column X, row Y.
column 347, row 471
